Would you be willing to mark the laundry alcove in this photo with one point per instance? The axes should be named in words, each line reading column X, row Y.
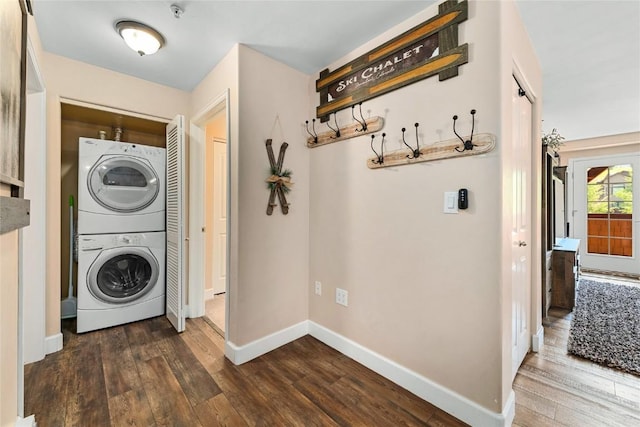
column 81, row 120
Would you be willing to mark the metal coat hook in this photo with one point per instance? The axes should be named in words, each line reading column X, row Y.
column 362, row 123
column 314, row 135
column 415, row 153
column 468, row 144
column 337, row 129
column 380, row 157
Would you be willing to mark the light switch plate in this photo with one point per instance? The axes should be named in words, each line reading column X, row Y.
column 451, row 202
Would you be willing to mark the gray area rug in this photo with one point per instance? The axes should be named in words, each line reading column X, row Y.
column 605, row 326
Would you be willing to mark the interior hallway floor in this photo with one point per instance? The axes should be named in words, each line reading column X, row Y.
column 215, row 311
column 146, row 374
column 125, row 375
column 554, row 388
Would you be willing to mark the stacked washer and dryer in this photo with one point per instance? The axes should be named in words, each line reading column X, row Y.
column 121, row 233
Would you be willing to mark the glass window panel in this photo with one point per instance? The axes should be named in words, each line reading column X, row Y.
column 621, row 207
column 597, row 192
column 621, row 192
column 597, row 207
column 622, row 228
column 598, row 245
column 597, row 175
column 598, row 227
column 620, row 173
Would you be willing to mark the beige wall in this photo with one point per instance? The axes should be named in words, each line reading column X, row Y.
column 600, row 146
column 69, row 79
column 424, row 286
column 9, row 323
column 268, row 254
column 426, row 289
column 272, row 287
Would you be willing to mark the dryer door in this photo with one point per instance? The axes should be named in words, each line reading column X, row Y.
column 123, row 184
column 121, row 275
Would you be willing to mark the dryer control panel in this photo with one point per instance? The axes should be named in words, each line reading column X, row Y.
column 100, row 241
column 127, row 240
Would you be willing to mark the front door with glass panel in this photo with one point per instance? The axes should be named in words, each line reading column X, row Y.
column 123, row 184
column 605, row 212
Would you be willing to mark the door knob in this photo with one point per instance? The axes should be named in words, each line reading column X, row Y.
column 522, row 243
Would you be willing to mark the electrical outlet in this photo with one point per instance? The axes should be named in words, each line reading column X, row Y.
column 318, row 288
column 342, row 297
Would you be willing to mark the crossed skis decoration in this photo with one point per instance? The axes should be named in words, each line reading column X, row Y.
column 279, row 181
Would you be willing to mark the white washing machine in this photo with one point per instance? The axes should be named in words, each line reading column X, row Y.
column 121, row 187
column 121, row 278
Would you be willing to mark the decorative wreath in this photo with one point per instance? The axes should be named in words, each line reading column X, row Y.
column 282, row 179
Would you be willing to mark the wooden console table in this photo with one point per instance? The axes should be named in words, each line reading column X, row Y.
column 565, row 271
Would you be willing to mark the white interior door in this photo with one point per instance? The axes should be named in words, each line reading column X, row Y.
column 219, row 274
column 521, row 229
column 604, row 215
column 176, row 286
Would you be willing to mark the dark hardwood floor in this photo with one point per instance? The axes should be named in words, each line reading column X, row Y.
column 554, row 388
column 145, row 374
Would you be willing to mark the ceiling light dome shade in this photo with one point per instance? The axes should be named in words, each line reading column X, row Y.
column 139, row 37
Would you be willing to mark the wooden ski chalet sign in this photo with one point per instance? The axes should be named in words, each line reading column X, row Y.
column 425, row 50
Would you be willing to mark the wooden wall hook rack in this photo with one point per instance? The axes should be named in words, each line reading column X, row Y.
column 374, row 124
column 482, row 143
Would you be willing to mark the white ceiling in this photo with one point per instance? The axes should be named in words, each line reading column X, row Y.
column 589, row 50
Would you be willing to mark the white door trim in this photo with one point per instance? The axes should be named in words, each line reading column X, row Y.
column 31, row 248
column 197, row 205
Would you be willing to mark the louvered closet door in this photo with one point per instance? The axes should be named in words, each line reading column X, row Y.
column 176, row 286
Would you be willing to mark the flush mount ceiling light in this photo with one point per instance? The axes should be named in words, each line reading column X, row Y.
column 139, row 37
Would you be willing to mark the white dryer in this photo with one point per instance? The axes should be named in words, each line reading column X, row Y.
column 121, row 187
column 121, row 278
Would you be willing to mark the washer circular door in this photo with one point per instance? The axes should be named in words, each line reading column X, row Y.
column 122, row 275
column 123, row 184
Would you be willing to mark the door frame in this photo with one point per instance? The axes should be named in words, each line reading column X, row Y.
column 571, row 198
column 530, row 217
column 31, row 310
column 197, row 206
column 535, row 247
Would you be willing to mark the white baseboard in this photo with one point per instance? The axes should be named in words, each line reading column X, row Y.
column 30, row 421
column 445, row 399
column 241, row 354
column 509, row 410
column 53, row 343
column 537, row 341
column 208, row 294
